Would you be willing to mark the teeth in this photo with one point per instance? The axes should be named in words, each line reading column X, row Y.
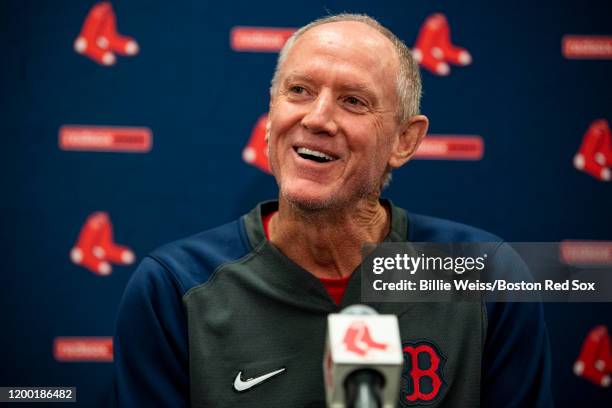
column 303, row 150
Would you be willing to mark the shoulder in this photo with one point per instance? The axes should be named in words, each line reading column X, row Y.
column 151, row 347
column 512, row 329
column 191, row 261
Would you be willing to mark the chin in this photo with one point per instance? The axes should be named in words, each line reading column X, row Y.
column 309, row 202
column 308, row 195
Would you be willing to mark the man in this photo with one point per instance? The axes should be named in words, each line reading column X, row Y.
column 202, row 316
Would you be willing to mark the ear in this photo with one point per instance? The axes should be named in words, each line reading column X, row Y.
column 270, row 108
column 411, row 134
column 267, row 137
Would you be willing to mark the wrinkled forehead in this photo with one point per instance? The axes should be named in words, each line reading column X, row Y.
column 350, row 33
column 350, row 41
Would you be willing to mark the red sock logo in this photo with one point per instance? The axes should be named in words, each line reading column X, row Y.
column 433, row 49
column 256, row 150
column 95, row 249
column 594, row 156
column 595, row 360
column 358, row 339
column 99, row 39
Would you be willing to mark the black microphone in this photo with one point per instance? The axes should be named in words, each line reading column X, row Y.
column 363, row 389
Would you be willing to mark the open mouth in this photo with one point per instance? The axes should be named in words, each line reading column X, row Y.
column 314, row 155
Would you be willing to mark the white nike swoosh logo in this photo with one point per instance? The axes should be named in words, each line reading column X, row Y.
column 240, row 385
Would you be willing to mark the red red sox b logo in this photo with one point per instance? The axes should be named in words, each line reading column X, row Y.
column 422, row 381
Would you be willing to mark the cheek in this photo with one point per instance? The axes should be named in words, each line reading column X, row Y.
column 275, row 158
column 281, row 122
column 370, row 156
column 283, row 117
column 387, row 139
column 372, row 141
column 380, row 153
column 274, row 148
column 274, row 131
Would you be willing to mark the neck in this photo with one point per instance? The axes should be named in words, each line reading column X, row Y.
column 327, row 243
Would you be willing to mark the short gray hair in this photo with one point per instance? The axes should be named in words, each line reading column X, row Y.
column 408, row 79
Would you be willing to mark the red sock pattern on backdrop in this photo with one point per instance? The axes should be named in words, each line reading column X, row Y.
column 595, row 360
column 433, row 49
column 594, row 156
column 99, row 39
column 95, row 249
column 256, row 150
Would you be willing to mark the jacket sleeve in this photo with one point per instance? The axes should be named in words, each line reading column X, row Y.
column 516, row 362
column 150, row 342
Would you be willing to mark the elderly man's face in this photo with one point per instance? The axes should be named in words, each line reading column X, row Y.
column 333, row 118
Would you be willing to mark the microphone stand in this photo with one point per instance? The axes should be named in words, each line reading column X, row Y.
column 363, row 389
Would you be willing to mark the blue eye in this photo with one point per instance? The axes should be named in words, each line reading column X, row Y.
column 354, row 101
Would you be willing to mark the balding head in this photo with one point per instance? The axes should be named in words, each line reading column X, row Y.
column 408, row 79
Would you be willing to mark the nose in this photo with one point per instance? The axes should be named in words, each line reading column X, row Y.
column 320, row 116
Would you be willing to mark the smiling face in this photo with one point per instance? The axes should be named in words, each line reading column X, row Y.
column 333, row 116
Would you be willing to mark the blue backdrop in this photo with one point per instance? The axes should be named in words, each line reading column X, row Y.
column 201, row 99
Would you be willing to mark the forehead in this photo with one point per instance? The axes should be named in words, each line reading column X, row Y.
column 344, row 48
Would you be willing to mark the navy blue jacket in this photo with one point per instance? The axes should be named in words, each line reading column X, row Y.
column 200, row 310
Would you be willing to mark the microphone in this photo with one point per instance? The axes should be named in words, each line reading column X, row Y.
column 363, row 359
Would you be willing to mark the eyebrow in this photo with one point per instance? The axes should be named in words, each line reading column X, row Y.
column 300, row 76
